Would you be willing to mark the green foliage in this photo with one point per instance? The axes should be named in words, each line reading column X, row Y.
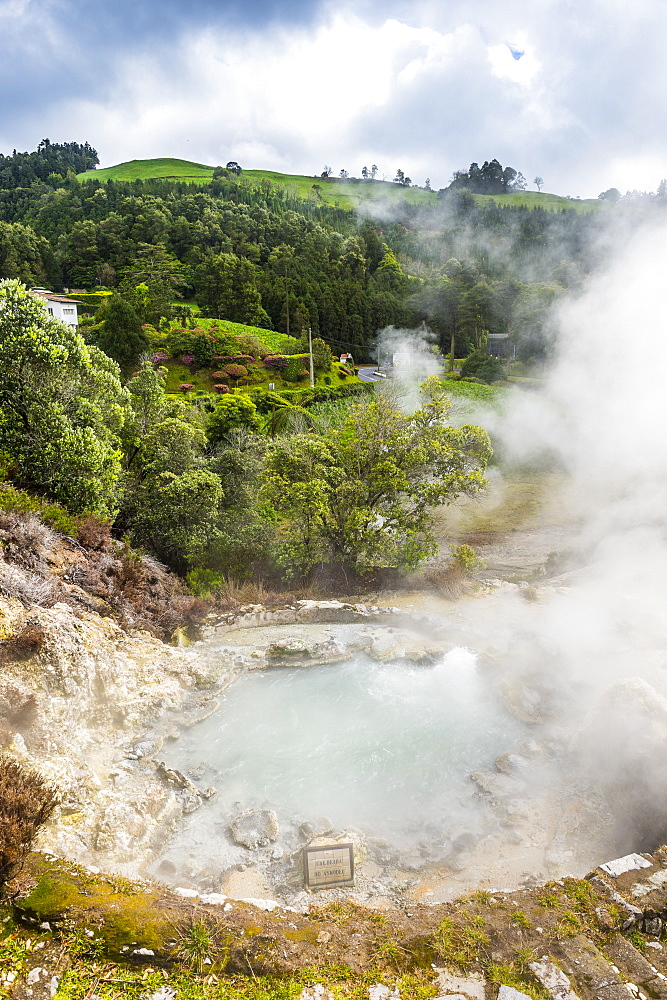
column 61, row 407
column 359, row 496
column 204, row 582
column 482, row 366
column 464, row 559
column 461, row 940
column 296, row 368
column 12, row 499
column 119, row 333
column 230, row 412
column 176, row 516
column 196, row 945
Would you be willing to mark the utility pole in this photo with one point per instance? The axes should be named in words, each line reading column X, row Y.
column 310, row 351
column 287, row 296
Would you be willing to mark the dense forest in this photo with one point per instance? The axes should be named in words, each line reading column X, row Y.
column 257, row 253
column 203, row 441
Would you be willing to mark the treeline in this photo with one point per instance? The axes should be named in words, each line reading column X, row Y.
column 52, row 162
column 257, row 254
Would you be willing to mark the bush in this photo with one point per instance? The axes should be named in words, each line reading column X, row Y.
column 26, row 803
column 29, row 588
column 204, row 582
column 294, row 370
column 482, row 366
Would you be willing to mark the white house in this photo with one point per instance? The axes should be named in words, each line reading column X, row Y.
column 58, row 305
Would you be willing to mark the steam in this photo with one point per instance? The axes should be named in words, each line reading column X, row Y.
column 603, row 415
column 415, row 357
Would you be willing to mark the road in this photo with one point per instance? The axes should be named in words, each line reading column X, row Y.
column 368, row 373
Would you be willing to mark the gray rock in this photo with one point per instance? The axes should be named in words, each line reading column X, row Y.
column 319, row 827
column 255, row 828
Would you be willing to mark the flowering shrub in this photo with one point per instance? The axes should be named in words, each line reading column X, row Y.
column 235, row 371
column 221, row 388
column 276, row 361
column 159, row 356
column 178, row 329
column 242, row 359
column 188, row 359
column 185, row 387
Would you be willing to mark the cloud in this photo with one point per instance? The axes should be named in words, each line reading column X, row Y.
column 427, row 87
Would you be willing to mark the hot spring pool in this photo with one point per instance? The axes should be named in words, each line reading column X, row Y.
column 386, row 748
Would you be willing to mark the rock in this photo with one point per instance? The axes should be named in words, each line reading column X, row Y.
column 631, row 862
column 553, row 979
column 507, row 993
column 471, row 987
column 511, row 763
column 319, row 827
column 255, row 828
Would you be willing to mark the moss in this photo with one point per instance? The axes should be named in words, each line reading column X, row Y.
column 308, row 934
column 51, row 897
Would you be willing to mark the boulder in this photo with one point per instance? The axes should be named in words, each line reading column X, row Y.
column 254, row 828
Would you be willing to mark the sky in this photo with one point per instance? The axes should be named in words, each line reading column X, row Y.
column 572, row 91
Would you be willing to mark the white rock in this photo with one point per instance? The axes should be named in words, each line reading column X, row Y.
column 188, row 893
column 34, row 975
column 628, row 863
column 214, row 898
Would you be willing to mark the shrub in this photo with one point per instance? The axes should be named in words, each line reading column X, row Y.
column 482, row 366
column 26, row 803
column 204, row 582
column 235, row 371
column 294, row 371
column 24, row 645
column 276, row 361
column 220, row 387
column 185, row 387
column 29, row 588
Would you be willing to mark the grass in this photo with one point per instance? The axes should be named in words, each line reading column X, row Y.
column 344, row 193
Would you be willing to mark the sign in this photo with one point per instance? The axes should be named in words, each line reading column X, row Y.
column 328, row 865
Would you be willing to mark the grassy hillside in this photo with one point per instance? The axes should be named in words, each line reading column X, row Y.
column 142, row 170
column 549, row 202
column 346, row 194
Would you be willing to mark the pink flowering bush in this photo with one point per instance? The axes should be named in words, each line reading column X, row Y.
column 221, row 388
column 185, row 387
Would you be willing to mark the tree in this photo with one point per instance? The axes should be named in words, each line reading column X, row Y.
column 360, row 497
column 539, row 183
column 119, row 333
column 231, row 412
column 62, row 407
column 611, row 194
column 177, row 516
column 234, row 168
column 326, row 172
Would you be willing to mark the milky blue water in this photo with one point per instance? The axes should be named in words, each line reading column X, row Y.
column 383, row 747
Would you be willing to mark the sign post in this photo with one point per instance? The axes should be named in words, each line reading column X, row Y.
column 328, row 865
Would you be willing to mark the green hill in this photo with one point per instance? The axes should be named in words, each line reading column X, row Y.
column 348, row 193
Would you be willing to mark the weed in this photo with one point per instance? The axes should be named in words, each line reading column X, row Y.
column 508, row 974
column 482, row 897
column 548, row 900
column 636, row 938
column 461, row 943
column 520, row 919
column 195, row 945
column 568, row 925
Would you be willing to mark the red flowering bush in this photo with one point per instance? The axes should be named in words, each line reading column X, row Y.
column 221, row 388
